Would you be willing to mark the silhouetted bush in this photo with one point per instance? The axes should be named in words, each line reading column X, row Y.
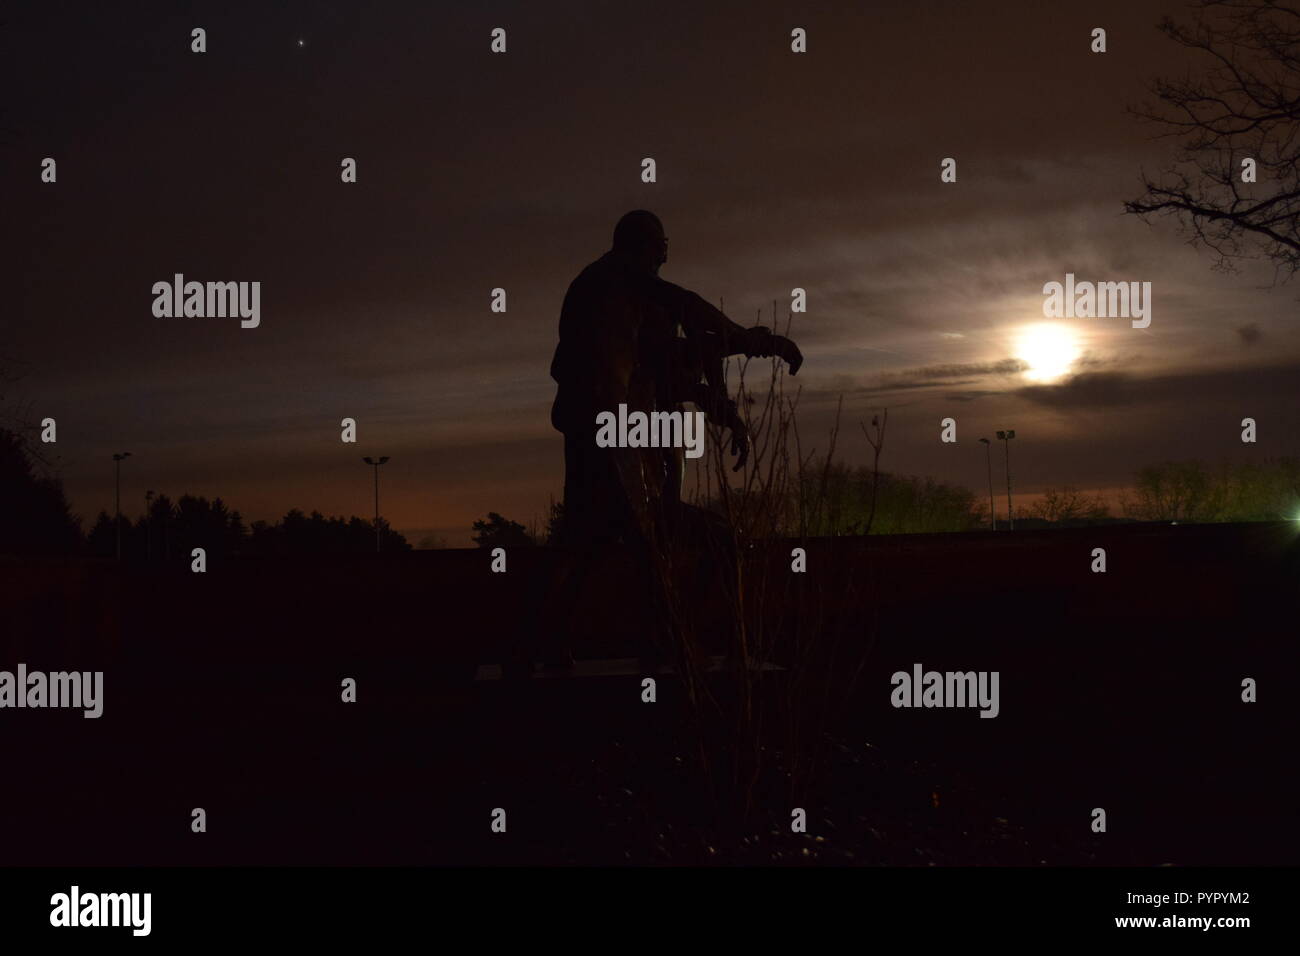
column 500, row 532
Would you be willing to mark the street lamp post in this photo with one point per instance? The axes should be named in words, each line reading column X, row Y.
column 1006, row 436
column 988, row 457
column 117, row 497
column 376, row 462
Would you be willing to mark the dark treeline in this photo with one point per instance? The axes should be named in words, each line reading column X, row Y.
column 35, row 519
column 171, row 530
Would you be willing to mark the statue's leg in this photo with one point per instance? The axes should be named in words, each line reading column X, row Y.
column 546, row 629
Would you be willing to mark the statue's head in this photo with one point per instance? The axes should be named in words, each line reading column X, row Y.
column 639, row 238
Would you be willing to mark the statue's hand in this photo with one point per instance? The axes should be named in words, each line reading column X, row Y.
column 762, row 344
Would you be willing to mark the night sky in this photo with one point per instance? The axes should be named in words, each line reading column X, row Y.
column 477, row 170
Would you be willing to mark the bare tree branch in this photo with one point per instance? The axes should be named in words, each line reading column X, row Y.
column 1245, row 105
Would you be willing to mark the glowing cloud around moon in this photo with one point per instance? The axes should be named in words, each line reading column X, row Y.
column 1049, row 349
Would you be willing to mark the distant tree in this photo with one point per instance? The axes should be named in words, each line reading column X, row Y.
column 196, row 522
column 915, row 505
column 356, row 534
column 1177, row 491
column 1068, row 505
column 433, row 542
column 499, row 532
column 260, row 535
column 843, row 500
column 1263, row 491
column 160, row 529
column 236, row 533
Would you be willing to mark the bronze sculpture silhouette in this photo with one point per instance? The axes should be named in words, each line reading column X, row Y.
column 620, row 344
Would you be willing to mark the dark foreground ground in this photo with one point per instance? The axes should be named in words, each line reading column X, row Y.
column 222, row 691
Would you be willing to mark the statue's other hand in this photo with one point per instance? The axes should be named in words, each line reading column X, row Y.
column 786, row 349
column 739, row 442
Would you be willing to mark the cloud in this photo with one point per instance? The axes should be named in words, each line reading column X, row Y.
column 970, row 395
column 1092, row 389
column 1245, row 388
column 948, row 373
column 1006, row 366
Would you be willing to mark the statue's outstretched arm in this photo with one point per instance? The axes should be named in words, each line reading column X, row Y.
column 700, row 318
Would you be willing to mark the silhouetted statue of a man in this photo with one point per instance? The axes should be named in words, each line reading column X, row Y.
column 620, row 345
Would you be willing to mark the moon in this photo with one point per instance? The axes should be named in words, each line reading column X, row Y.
column 1049, row 349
